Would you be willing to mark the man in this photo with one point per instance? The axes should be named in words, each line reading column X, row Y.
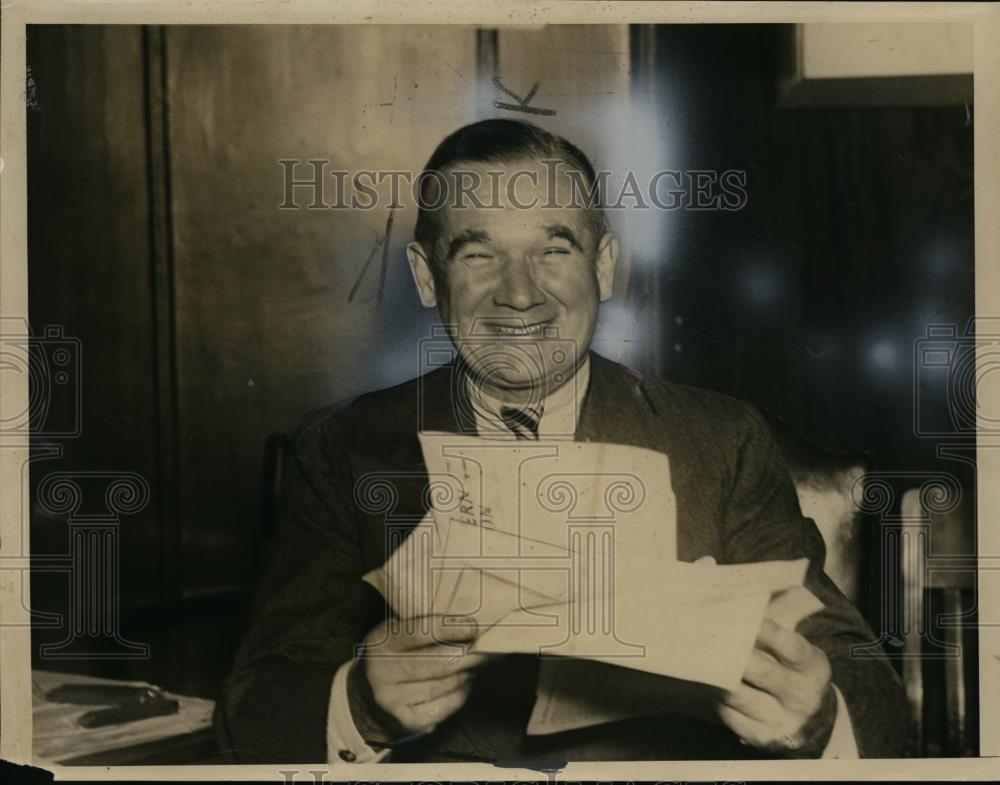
column 511, row 269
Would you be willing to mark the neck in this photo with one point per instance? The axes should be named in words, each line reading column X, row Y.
column 516, row 396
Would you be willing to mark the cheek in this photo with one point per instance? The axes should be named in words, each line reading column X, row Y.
column 466, row 294
column 576, row 287
column 467, row 291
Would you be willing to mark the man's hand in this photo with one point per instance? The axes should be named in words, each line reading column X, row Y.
column 416, row 674
column 786, row 703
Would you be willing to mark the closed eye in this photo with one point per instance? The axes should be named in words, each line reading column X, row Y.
column 555, row 250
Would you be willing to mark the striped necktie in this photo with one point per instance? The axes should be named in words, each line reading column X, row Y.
column 523, row 423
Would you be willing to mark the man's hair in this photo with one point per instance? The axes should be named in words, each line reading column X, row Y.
column 502, row 142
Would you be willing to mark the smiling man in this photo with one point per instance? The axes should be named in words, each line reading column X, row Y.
column 517, row 274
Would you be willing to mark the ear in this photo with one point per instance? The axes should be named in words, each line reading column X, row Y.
column 607, row 258
column 420, row 266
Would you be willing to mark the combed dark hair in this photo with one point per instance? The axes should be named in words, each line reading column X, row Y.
column 498, row 141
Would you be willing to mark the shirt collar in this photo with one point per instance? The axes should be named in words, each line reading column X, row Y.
column 560, row 409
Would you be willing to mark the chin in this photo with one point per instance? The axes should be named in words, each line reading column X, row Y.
column 521, row 364
column 507, row 382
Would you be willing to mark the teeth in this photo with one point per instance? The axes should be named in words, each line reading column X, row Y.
column 505, row 330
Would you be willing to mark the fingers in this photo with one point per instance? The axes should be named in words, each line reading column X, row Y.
column 446, row 665
column 437, row 630
column 797, row 689
column 425, row 715
column 755, row 733
column 421, row 650
column 754, row 704
column 788, row 647
column 782, row 692
column 431, row 689
column 747, row 729
column 455, row 632
column 758, row 719
column 420, row 665
column 419, row 702
column 765, row 673
column 450, row 629
column 419, row 670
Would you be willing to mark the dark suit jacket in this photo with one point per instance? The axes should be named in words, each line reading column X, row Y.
column 735, row 502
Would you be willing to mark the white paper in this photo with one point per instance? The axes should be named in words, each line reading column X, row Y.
column 691, row 622
column 528, row 515
column 573, row 693
column 568, row 550
column 58, row 736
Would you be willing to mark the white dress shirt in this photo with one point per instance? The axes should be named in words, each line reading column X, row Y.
column 560, row 414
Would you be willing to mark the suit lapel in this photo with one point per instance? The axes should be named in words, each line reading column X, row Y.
column 620, row 410
column 617, row 408
column 439, row 403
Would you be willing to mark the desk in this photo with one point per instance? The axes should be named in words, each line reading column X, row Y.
column 178, row 750
column 182, row 738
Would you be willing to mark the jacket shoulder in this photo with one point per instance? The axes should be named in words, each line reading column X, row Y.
column 706, row 406
column 683, row 409
column 361, row 423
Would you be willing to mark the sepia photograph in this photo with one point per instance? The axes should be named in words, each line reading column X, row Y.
column 444, row 389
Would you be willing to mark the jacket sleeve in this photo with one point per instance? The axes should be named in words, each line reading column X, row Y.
column 311, row 610
column 763, row 522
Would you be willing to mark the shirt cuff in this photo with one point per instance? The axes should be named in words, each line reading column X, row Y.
column 344, row 744
column 842, row 743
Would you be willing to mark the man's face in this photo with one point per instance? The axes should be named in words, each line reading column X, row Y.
column 521, row 285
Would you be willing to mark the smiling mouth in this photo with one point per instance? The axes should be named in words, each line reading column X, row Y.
column 531, row 329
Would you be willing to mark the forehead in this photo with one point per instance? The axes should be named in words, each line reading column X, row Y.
column 525, row 197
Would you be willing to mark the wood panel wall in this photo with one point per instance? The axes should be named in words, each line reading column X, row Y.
column 213, row 317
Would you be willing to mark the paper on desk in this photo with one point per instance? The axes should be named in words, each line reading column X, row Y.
column 56, row 734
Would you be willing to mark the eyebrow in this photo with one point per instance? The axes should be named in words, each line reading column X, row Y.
column 565, row 233
column 466, row 237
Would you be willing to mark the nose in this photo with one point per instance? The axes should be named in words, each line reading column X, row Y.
column 517, row 287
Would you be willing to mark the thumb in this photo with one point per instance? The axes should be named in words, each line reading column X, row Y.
column 452, row 629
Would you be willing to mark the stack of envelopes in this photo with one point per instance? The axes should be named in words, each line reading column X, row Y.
column 568, row 550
